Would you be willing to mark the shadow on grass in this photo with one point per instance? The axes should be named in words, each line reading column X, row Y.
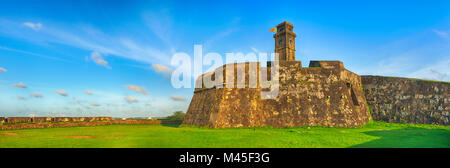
column 410, row 137
column 175, row 125
column 171, row 122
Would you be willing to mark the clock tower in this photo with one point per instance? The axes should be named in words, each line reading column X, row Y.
column 285, row 41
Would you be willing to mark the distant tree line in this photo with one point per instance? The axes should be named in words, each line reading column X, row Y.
column 178, row 115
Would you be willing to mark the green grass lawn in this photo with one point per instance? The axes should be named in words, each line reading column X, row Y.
column 374, row 134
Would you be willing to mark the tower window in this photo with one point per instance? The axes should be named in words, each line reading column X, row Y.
column 280, row 41
column 290, row 41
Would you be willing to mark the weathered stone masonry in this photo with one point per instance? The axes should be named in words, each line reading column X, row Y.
column 325, row 94
column 12, row 120
column 403, row 100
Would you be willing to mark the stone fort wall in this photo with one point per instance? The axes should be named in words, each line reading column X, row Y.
column 73, row 124
column 403, row 100
column 324, row 94
column 51, row 119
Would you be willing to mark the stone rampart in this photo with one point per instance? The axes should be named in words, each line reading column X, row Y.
column 41, row 119
column 52, row 119
column 325, row 94
column 404, row 100
column 18, row 120
column 73, row 124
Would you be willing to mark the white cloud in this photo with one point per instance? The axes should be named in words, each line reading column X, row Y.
column 137, row 89
column 416, row 56
column 34, row 26
column 21, row 85
column 83, row 36
column 255, row 50
column 95, row 104
column 222, row 34
column 2, row 69
column 161, row 68
column 161, row 25
column 61, row 92
column 130, row 99
column 90, row 38
column 394, row 66
column 177, row 98
column 97, row 58
column 166, row 71
column 101, row 62
column 143, row 53
column 439, row 71
column 33, row 54
column 217, row 37
column 88, row 92
column 36, row 95
column 442, row 34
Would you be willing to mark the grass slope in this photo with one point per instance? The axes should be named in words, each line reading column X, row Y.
column 374, row 134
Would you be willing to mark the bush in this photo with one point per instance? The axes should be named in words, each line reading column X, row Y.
column 178, row 115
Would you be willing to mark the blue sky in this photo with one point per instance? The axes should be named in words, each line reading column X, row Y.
column 52, row 53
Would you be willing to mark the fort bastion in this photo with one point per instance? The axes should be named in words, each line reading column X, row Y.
column 323, row 94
